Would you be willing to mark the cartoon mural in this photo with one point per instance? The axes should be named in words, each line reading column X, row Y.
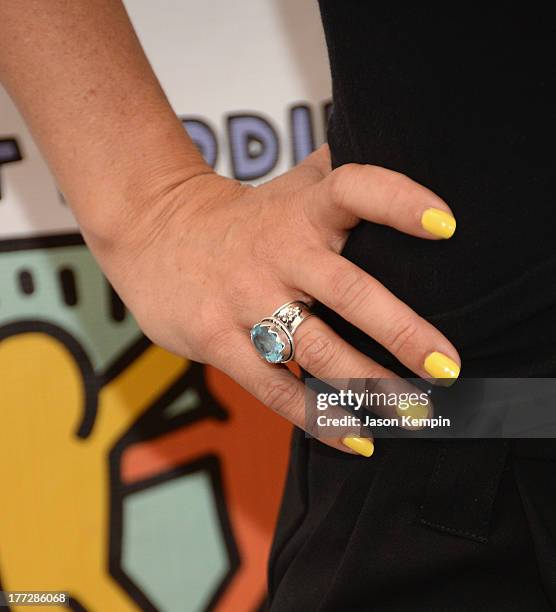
column 133, row 479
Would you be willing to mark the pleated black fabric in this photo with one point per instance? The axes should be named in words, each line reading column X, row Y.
column 463, row 101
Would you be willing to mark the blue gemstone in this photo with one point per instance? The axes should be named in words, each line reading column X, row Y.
column 267, row 343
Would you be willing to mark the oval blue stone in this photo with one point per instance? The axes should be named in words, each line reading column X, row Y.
column 267, row 343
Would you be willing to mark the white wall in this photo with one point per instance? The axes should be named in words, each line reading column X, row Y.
column 214, row 58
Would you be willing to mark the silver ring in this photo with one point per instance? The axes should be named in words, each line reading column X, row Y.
column 272, row 336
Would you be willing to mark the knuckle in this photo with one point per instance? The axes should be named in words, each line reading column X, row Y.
column 314, row 351
column 217, row 343
column 340, row 180
column 281, row 395
column 261, row 247
column 239, row 290
column 349, row 289
column 266, row 236
column 399, row 185
column 402, row 335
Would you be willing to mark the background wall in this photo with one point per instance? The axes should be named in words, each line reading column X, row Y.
column 133, row 479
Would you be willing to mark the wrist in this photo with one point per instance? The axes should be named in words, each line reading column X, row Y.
column 113, row 216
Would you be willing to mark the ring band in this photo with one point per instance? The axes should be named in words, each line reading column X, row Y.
column 272, row 336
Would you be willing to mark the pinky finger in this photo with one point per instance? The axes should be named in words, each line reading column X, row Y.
column 278, row 389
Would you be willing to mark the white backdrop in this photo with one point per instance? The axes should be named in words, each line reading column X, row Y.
column 215, row 59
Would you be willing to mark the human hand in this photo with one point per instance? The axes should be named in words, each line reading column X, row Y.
column 203, row 260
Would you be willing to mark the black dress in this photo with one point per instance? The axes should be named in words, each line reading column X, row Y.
column 463, row 100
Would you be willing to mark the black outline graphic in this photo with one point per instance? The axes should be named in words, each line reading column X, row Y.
column 17, row 156
column 26, row 282
column 73, row 604
column 69, row 286
column 90, row 381
column 118, row 310
column 40, row 242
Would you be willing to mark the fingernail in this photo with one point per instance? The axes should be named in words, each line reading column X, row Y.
column 438, row 222
column 413, row 410
column 363, row 446
column 440, row 366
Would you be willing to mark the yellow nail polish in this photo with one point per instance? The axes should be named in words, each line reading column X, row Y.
column 413, row 410
column 440, row 366
column 438, row 222
column 363, row 446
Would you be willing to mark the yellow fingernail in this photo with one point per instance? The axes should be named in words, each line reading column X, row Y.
column 413, row 410
column 440, row 366
column 363, row 446
column 438, row 222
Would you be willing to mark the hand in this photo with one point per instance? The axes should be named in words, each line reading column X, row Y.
column 203, row 262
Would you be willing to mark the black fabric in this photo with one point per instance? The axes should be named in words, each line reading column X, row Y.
column 464, row 102
column 354, row 538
